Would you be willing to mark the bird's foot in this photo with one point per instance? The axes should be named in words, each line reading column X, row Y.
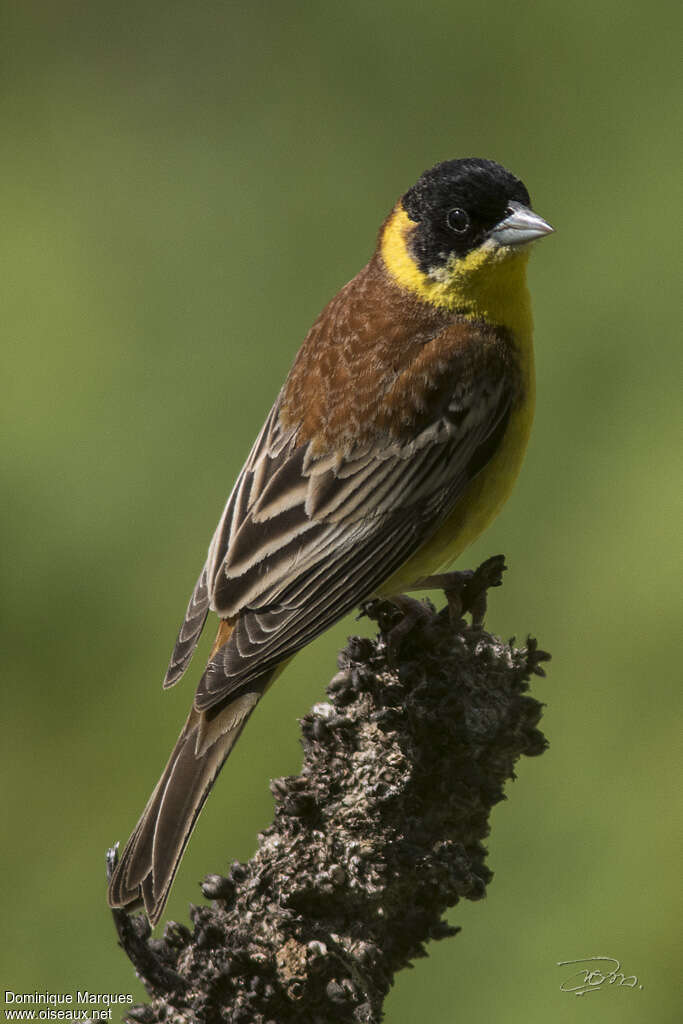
column 466, row 591
column 466, row 594
column 396, row 617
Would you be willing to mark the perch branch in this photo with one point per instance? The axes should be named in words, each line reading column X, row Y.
column 380, row 833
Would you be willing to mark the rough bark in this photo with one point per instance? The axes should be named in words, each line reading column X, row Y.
column 380, row 833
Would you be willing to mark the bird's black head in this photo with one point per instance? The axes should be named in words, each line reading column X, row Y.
column 456, row 205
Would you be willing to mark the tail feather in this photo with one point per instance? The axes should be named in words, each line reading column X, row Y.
column 153, row 852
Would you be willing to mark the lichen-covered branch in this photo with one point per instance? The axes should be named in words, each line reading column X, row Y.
column 380, row 833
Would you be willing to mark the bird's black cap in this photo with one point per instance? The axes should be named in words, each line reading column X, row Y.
column 480, row 189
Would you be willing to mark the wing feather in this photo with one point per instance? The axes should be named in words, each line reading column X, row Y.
column 305, row 536
column 290, row 629
column 190, row 631
column 293, row 574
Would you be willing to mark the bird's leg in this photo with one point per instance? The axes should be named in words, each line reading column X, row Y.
column 466, row 591
column 396, row 617
column 454, row 585
column 412, row 612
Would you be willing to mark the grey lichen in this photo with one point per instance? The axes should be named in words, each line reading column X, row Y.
column 378, row 835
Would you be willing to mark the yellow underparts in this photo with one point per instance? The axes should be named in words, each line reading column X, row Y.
column 488, row 284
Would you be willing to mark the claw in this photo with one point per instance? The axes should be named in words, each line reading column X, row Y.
column 412, row 612
column 466, row 591
column 396, row 617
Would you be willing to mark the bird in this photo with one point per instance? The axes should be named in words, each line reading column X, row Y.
column 395, row 440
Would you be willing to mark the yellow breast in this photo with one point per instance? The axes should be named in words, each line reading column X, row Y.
column 479, row 505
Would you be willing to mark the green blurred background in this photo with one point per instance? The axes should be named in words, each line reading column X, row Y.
column 183, row 187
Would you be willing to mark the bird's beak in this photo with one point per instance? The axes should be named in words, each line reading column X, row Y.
column 521, row 225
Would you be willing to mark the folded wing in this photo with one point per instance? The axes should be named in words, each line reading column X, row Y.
column 305, row 537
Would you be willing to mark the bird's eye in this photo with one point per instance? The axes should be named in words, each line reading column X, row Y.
column 458, row 220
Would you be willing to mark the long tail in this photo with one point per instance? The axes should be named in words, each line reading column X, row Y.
column 153, row 852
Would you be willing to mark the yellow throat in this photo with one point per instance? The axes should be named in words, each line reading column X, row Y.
column 487, row 284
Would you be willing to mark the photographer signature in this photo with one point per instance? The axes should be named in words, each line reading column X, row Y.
column 601, row 970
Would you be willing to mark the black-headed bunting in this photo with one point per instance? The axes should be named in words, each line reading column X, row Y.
column 395, row 440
